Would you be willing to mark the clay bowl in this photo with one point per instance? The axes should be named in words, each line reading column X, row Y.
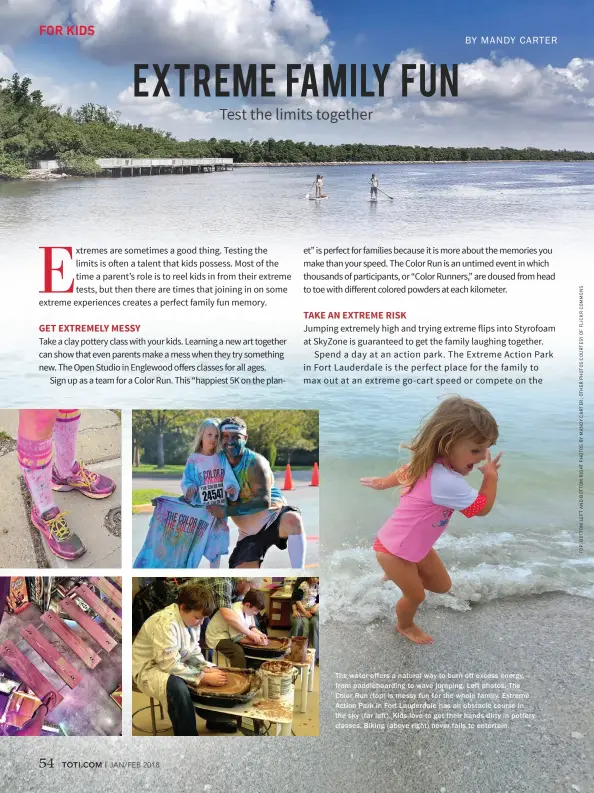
column 275, row 648
column 240, row 687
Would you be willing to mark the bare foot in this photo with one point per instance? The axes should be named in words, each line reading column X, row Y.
column 415, row 634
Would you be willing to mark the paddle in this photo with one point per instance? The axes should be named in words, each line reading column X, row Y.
column 310, row 189
column 387, row 196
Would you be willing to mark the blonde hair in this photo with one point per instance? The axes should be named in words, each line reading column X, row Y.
column 204, row 425
column 454, row 420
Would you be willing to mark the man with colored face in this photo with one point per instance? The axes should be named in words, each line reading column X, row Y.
column 261, row 513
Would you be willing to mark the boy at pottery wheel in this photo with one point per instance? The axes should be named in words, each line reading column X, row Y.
column 166, row 655
column 227, row 639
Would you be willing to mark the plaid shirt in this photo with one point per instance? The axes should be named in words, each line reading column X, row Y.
column 222, row 589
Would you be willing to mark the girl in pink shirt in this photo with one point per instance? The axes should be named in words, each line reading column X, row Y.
column 449, row 444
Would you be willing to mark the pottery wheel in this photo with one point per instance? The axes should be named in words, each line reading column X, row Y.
column 237, row 683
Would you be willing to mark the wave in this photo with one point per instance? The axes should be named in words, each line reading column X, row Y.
column 486, row 567
column 556, row 178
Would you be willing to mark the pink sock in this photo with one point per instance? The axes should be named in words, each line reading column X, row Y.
column 35, row 459
column 65, row 436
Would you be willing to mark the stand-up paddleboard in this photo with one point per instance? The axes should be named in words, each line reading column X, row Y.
column 318, row 198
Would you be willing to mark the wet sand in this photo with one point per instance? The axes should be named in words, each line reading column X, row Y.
column 549, row 639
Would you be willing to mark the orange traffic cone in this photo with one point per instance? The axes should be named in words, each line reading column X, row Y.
column 315, row 476
column 288, row 479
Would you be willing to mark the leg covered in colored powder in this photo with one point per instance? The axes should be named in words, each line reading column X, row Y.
column 65, row 437
column 34, row 449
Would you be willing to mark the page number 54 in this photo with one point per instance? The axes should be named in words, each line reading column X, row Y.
column 45, row 762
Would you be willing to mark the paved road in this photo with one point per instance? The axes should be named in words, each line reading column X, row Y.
column 304, row 496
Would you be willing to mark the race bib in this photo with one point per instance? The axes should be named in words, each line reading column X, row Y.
column 212, row 494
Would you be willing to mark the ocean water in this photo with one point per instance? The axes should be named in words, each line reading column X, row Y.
column 256, row 204
column 527, row 545
column 529, row 542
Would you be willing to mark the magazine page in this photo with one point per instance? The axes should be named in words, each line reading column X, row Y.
column 295, row 396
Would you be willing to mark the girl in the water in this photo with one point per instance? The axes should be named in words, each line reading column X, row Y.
column 456, row 437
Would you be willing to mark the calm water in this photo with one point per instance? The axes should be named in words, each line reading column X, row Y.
column 528, row 544
column 250, row 202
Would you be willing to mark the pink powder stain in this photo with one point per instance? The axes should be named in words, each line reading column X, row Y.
column 37, row 424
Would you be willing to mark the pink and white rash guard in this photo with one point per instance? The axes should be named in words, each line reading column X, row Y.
column 424, row 512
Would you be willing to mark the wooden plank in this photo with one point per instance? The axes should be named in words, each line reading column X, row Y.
column 70, row 638
column 29, row 675
column 100, row 608
column 108, row 589
column 88, row 624
column 51, row 656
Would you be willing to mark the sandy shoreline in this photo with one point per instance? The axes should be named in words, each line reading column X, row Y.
column 548, row 638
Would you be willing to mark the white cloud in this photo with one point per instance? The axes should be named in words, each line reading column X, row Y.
column 202, row 31
column 21, row 18
column 507, row 102
column 7, row 67
column 507, row 79
column 441, row 109
column 160, row 110
column 54, row 92
column 492, row 86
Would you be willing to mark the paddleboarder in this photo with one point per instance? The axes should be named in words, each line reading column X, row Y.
column 374, row 187
column 319, row 185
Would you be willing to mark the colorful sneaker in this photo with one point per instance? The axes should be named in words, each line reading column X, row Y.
column 62, row 542
column 86, row 482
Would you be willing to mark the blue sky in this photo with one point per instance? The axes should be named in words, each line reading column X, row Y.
column 438, row 27
column 380, row 30
column 506, row 93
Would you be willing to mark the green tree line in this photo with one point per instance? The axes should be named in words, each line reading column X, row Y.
column 32, row 130
column 166, row 437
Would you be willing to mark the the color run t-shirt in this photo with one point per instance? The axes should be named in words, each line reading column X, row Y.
column 211, row 474
column 424, row 512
